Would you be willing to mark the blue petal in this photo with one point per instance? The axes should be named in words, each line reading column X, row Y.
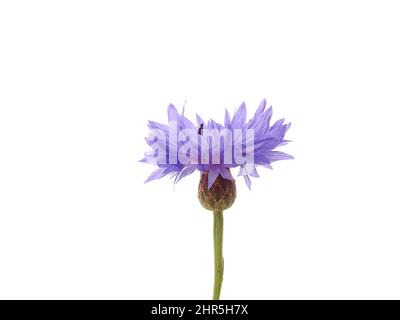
column 278, row 155
column 278, row 123
column 261, row 107
column 254, row 173
column 267, row 165
column 185, row 172
column 227, row 119
column 155, row 125
column 173, row 114
column 248, row 181
column 225, row 173
column 200, row 120
column 239, row 118
column 212, row 175
column 157, row 174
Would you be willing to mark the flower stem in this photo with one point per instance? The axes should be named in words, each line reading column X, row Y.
column 218, row 258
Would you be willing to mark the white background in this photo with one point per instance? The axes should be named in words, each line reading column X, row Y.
column 79, row 80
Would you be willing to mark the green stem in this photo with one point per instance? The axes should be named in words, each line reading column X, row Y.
column 218, row 259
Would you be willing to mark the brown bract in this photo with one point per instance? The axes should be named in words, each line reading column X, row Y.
column 220, row 196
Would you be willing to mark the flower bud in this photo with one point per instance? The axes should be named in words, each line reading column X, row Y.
column 220, row 196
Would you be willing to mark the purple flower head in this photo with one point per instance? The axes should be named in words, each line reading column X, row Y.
column 182, row 147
